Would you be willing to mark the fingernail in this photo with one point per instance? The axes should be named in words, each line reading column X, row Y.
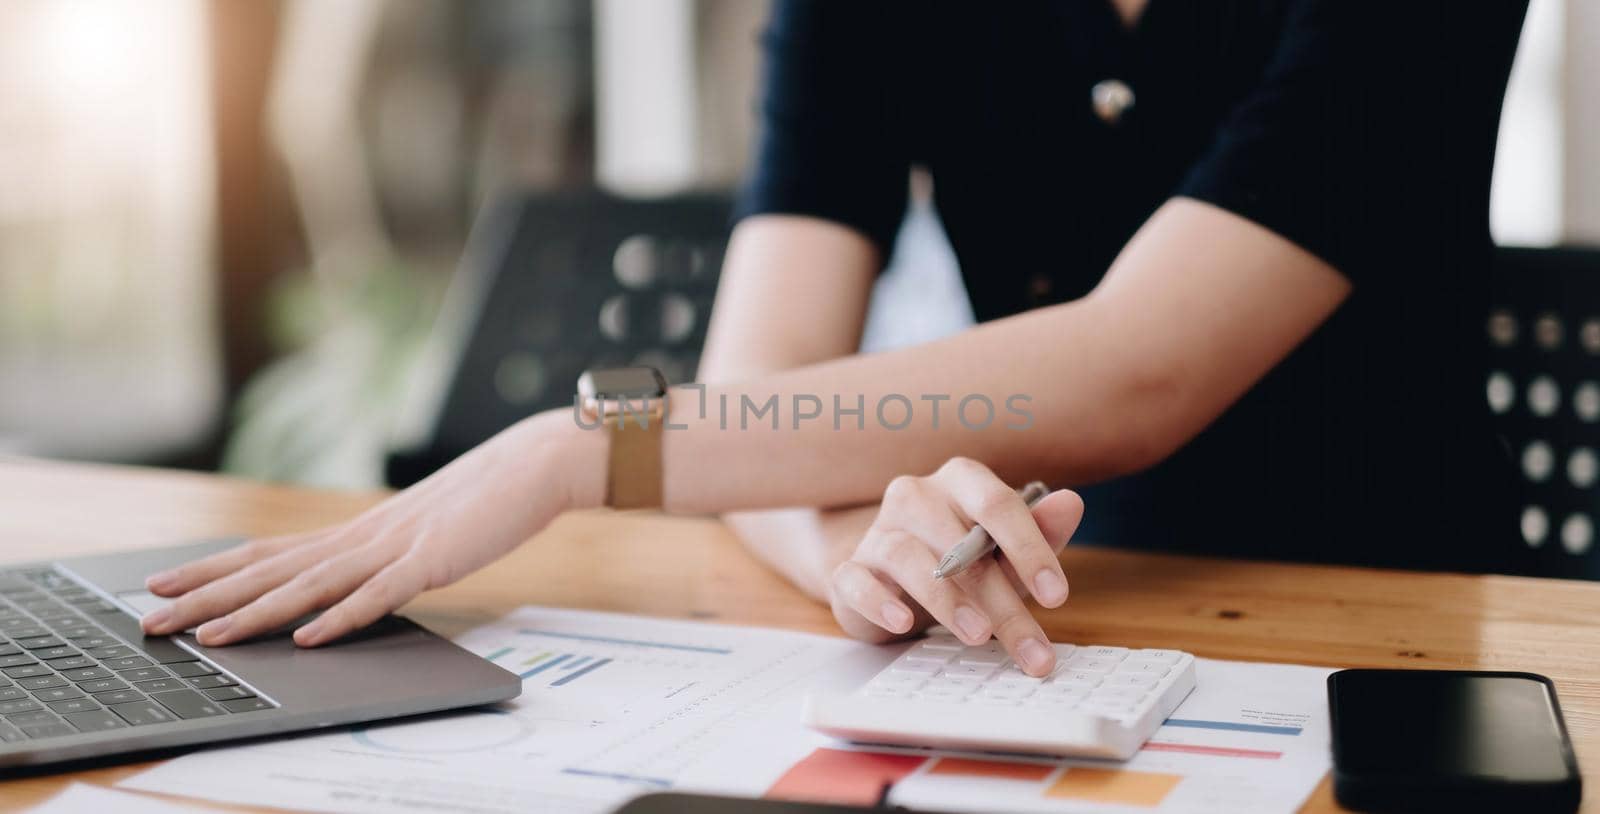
column 896, row 617
column 156, row 620
column 1035, row 657
column 156, row 582
column 214, row 629
column 972, row 624
column 1049, row 588
column 309, row 634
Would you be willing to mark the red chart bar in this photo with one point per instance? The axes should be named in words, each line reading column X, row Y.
column 1220, row 751
column 843, row 776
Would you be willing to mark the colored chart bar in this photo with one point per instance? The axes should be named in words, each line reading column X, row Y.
column 1117, row 786
column 843, row 776
column 722, row 651
column 498, row 653
column 1219, row 751
column 992, row 769
column 1230, row 726
column 577, row 674
column 545, row 666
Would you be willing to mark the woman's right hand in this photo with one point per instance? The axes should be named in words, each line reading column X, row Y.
column 887, row 588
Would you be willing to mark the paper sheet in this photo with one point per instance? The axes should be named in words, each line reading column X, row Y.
column 81, row 798
column 1250, row 739
column 615, row 706
column 612, row 706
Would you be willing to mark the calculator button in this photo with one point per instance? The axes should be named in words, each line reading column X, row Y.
column 1083, row 663
column 930, row 656
column 901, row 680
column 882, row 691
column 1127, row 693
column 979, row 671
column 1120, row 679
column 1103, row 652
column 1079, row 679
column 947, row 643
column 1164, row 656
column 1154, row 668
column 914, row 667
column 984, row 657
column 1005, row 691
column 994, row 701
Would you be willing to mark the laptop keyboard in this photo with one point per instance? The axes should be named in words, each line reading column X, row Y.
column 67, row 666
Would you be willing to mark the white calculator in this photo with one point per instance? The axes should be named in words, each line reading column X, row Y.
column 1100, row 701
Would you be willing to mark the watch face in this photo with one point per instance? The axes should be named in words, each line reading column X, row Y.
column 622, row 383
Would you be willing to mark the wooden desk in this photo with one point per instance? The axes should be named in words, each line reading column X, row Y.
column 692, row 568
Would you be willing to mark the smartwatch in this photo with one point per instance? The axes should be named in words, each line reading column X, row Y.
column 631, row 403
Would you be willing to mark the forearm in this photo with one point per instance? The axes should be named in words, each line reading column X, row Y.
column 803, row 544
column 1200, row 305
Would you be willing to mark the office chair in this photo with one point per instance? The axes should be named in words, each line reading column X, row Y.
column 564, row 282
column 1543, row 386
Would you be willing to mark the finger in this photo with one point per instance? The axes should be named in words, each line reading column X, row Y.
column 1058, row 515
column 312, row 589
column 224, row 595
column 866, row 608
column 909, row 563
column 1014, row 626
column 192, row 575
column 989, row 502
column 387, row 590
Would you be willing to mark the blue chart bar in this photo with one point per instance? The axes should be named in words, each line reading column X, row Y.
column 1232, row 727
column 575, row 675
column 498, row 653
column 545, row 666
column 721, row 651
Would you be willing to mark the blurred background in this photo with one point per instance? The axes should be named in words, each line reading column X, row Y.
column 241, row 235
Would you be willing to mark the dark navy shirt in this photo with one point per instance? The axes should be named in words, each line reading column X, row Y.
column 1362, row 131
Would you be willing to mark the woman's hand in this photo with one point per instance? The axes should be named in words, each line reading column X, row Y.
column 459, row 519
column 887, row 588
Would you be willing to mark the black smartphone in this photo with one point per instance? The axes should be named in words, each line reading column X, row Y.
column 1456, row 740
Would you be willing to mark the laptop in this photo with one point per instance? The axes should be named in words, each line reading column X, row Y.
column 78, row 679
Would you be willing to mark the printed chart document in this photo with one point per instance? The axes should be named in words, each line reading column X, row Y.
column 612, row 707
column 616, row 706
column 1250, row 739
column 81, row 798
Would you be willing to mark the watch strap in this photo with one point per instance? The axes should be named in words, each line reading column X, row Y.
column 634, row 472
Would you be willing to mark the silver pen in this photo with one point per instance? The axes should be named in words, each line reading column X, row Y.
column 978, row 544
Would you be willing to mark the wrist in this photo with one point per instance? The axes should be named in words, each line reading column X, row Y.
column 571, row 458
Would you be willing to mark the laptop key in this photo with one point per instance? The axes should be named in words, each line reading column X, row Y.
column 97, row 720
column 189, row 704
column 20, row 705
column 142, row 674
column 161, row 685
column 229, row 693
column 86, row 673
column 189, row 669
column 127, row 662
column 38, row 716
column 39, row 642
column 25, row 670
column 102, row 685
column 159, row 649
column 140, row 713
column 41, row 682
column 122, row 696
column 26, row 632
column 246, row 705
column 210, row 682
column 8, row 649
column 12, row 693
column 71, row 662
column 57, row 693
column 57, row 652
column 10, row 734
column 73, row 705
column 15, row 660
column 48, row 731
column 92, row 639
column 75, row 634
column 108, row 652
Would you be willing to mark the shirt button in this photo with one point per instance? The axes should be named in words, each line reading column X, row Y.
column 1111, row 98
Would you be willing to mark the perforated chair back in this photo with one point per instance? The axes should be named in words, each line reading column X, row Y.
column 1544, row 388
column 574, row 281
